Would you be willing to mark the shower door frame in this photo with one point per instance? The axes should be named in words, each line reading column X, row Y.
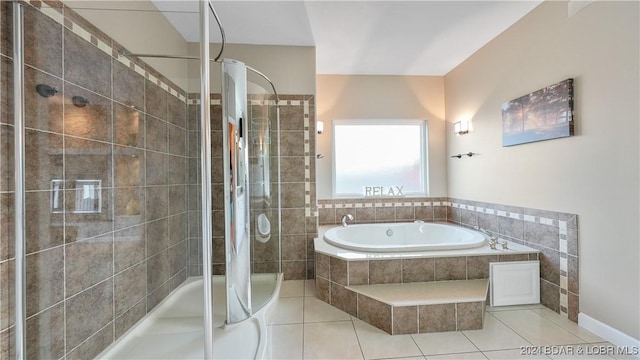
column 205, row 182
column 20, row 271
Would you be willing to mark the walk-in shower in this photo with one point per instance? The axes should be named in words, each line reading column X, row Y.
column 140, row 196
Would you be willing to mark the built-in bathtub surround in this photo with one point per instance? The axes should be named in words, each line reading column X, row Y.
column 299, row 212
column 554, row 234
column 106, row 236
column 424, row 286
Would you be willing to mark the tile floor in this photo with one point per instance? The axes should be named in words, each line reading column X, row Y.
column 303, row 327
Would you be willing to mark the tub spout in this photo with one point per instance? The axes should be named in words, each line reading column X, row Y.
column 478, row 228
column 346, row 218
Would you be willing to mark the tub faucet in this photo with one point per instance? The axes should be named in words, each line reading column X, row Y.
column 493, row 239
column 346, row 218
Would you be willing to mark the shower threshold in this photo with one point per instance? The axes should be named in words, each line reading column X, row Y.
column 174, row 329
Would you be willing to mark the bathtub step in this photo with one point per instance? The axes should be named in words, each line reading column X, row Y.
column 424, row 307
column 426, row 293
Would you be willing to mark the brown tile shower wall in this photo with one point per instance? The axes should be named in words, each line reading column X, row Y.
column 194, row 180
column 299, row 219
column 555, row 234
column 297, row 151
column 90, row 275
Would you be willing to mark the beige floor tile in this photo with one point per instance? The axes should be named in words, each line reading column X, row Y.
column 514, row 307
column 495, row 336
column 319, row 311
column 310, row 287
column 331, row 340
column 462, row 356
column 512, row 354
column 535, row 329
column 284, row 342
column 568, row 325
column 443, row 343
column 291, row 288
column 288, row 311
column 377, row 344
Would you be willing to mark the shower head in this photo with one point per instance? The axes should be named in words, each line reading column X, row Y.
column 46, row 90
column 79, row 101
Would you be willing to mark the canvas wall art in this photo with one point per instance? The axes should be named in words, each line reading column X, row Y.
column 541, row 115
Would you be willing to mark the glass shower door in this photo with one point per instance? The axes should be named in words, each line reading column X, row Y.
column 236, row 190
column 107, row 167
column 251, row 189
column 265, row 188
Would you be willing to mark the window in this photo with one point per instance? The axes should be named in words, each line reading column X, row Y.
column 377, row 158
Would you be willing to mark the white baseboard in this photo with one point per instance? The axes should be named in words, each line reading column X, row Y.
column 612, row 335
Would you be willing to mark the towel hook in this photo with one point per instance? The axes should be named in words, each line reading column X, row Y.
column 459, row 156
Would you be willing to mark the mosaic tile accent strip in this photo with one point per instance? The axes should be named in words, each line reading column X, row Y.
column 214, row 101
column 307, row 158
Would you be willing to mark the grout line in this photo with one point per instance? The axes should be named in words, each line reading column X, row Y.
column 474, row 344
column 416, row 343
column 303, row 319
column 510, row 328
column 357, row 337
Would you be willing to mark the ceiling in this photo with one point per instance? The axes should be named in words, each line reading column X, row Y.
column 361, row 37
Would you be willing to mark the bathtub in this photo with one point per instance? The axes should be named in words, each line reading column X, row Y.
column 403, row 237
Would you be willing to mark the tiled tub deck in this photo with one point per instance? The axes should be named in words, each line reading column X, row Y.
column 343, row 279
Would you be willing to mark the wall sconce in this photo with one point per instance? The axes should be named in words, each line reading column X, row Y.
column 320, row 127
column 462, row 127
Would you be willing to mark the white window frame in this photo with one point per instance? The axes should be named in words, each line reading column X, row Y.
column 424, row 140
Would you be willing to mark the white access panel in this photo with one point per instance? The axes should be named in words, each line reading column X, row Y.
column 514, row 283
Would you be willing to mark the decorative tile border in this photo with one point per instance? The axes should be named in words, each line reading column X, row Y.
column 213, row 101
column 307, row 159
column 379, row 203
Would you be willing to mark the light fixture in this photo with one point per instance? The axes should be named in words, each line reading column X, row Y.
column 462, row 127
column 320, row 127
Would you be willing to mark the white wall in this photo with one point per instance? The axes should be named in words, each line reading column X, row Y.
column 382, row 97
column 292, row 69
column 594, row 174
